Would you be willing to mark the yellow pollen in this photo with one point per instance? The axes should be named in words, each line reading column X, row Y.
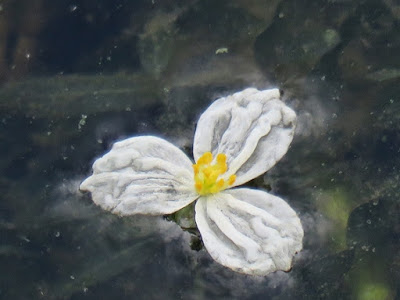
column 195, row 169
column 221, row 158
column 220, row 183
column 231, row 179
column 206, row 158
column 206, row 175
column 198, row 185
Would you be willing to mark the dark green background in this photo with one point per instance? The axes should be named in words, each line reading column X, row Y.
column 78, row 75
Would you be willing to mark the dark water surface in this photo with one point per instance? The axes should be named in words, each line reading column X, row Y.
column 77, row 76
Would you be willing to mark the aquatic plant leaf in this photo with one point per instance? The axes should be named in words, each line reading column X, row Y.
column 249, row 231
column 142, row 175
column 253, row 128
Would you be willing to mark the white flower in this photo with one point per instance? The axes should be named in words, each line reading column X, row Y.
column 237, row 138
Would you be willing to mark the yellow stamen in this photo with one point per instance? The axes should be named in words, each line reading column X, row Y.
column 206, row 175
column 198, row 185
column 221, row 158
column 195, row 169
column 220, row 183
column 206, row 158
column 232, row 179
column 207, row 172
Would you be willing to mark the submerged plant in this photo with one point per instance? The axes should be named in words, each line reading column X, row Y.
column 237, row 138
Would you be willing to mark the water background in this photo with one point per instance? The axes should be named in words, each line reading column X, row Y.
column 76, row 76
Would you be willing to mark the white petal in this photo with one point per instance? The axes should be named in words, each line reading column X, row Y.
column 249, row 231
column 253, row 128
column 142, row 175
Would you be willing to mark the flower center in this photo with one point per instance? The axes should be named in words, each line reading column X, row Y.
column 206, row 175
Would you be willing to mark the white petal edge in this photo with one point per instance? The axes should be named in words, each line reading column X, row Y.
column 142, row 175
column 253, row 128
column 249, row 231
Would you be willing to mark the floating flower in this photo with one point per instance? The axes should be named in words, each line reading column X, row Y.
column 237, row 138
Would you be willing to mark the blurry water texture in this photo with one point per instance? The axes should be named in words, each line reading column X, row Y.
column 78, row 75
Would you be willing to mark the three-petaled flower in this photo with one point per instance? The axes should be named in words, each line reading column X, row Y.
column 237, row 138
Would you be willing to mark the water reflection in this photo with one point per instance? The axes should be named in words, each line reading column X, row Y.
column 152, row 67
